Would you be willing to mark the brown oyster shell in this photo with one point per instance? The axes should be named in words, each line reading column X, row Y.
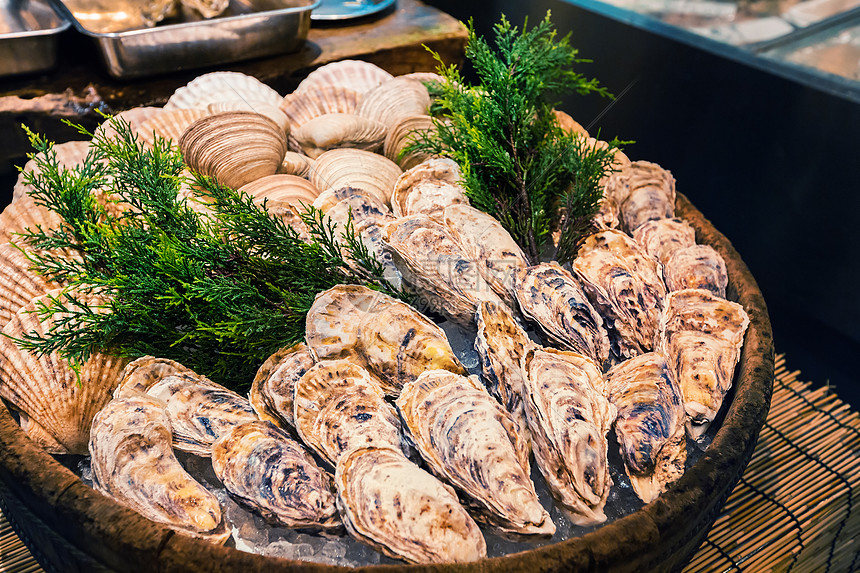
column 334, row 130
column 468, row 439
column 650, row 422
column 625, row 285
column 133, row 462
column 274, row 385
column 567, row 123
column 701, row 338
column 221, row 86
column 697, row 266
column 338, row 407
column 569, row 418
column 644, row 191
column 427, row 188
column 143, row 373
column 662, row 237
column 394, row 100
column 356, row 75
column 356, row 168
column 268, row 471
column 404, row 512
column 402, row 134
column 552, row 298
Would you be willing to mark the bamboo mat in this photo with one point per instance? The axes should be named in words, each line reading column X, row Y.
column 793, row 509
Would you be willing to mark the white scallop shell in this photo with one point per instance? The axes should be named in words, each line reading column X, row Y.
column 394, row 101
column 273, row 112
column 334, row 130
column 221, row 86
column 356, row 75
column 169, row 124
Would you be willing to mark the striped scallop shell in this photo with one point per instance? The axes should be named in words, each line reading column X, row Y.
column 169, row 124
column 334, row 130
column 394, row 101
column 356, row 168
column 133, row 117
column 18, row 284
column 47, row 389
column 273, row 112
column 402, row 134
column 356, row 75
column 24, row 214
column 290, row 189
column 301, row 107
column 221, row 86
column 274, row 385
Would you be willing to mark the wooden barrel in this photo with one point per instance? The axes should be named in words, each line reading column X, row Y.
column 71, row 527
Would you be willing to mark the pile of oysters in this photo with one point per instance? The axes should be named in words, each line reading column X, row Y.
column 373, row 426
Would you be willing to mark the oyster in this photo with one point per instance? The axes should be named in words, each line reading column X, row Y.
column 133, row 462
column 551, row 297
column 389, row 338
column 569, row 124
column 650, row 422
column 569, row 418
column 356, row 168
column 274, row 385
column 697, row 266
column 701, row 338
column 335, row 130
column 662, row 237
column 265, row 469
column 625, row 285
column 428, row 187
column 142, row 373
column 644, row 191
column 338, row 407
column 469, row 440
column 207, row 8
column 356, row 75
column 391, row 504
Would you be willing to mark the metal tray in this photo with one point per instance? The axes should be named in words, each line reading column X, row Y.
column 248, row 29
column 28, row 36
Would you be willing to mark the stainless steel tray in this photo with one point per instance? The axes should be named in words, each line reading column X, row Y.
column 28, row 36
column 248, row 29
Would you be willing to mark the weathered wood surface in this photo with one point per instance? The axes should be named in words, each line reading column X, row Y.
column 80, row 85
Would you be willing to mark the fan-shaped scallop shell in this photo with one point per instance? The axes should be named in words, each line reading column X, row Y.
column 391, row 504
column 403, row 133
column 266, row 109
column 234, row 147
column 356, row 75
column 468, row 439
column 46, row 387
column 356, row 168
column 338, row 407
column 221, row 86
column 296, row 164
column 551, row 297
column 428, row 187
column 18, row 284
column 697, row 266
column 334, row 130
column 134, row 117
column 650, row 422
column 274, row 385
column 569, row 418
column 302, row 106
column 133, row 462
column 290, row 189
column 268, row 471
column 662, row 237
column 169, row 124
column 394, row 100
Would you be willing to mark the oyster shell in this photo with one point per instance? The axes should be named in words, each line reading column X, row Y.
column 644, row 192
column 221, row 86
column 551, row 297
column 18, row 284
column 569, row 418
column 701, row 338
column 143, row 373
column 152, row 12
column 469, row 440
column 391, row 504
column 394, row 100
column 364, row 201
column 402, row 134
column 625, row 285
column 338, row 407
column 356, row 75
column 650, row 422
column 133, row 462
column 265, row 469
column 697, row 266
column 334, row 130
column 390, row 339
column 273, row 388
column 356, row 168
column 662, row 237
column 427, row 188
column 290, row 189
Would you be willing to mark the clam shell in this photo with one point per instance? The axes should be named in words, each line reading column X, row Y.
column 169, row 124
column 427, row 188
column 221, row 86
column 334, row 130
column 468, row 439
column 266, row 109
column 551, row 297
column 661, row 237
column 650, row 422
column 268, row 471
column 569, row 418
column 395, row 100
column 302, row 107
column 356, row 75
column 273, row 388
column 697, row 266
column 356, row 168
column 234, row 147
column 625, row 285
column 391, row 504
column 296, row 164
column 701, row 337
column 133, row 462
column 46, row 387
column 402, row 134
column 207, row 8
column 289, row 189
column 18, row 284
column 338, row 407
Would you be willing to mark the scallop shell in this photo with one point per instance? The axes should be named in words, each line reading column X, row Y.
column 390, row 339
column 301, row 107
column 428, row 187
column 364, row 204
column 569, row 124
column 221, row 86
column 133, row 462
column 650, row 423
column 551, row 297
column 661, row 237
column 569, row 418
column 697, row 266
column 46, row 387
column 134, row 117
column 401, row 134
column 169, row 124
column 394, row 506
column 207, row 8
column 394, row 101
column 69, row 154
column 468, row 439
column 335, row 130
column 701, row 338
column 263, row 108
column 273, row 388
column 268, row 471
column 625, row 285
column 356, row 168
column 234, row 147
column 290, row 189
column 296, row 164
column 356, row 75
column 18, row 284
column 338, row 407
column 424, row 77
